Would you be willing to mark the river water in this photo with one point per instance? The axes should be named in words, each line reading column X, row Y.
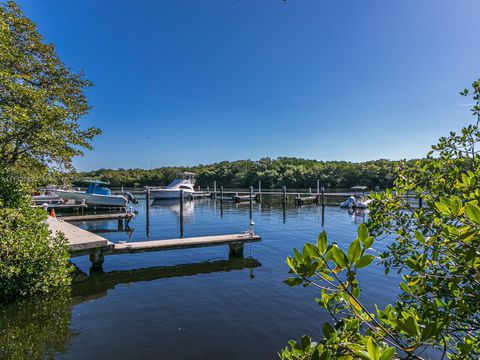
column 192, row 303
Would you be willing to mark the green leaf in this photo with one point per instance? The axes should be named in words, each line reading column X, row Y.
column 328, row 330
column 364, row 261
column 322, row 242
column 388, row 354
column 419, row 236
column 339, row 256
column 354, row 251
column 473, row 212
column 293, row 281
column 368, row 242
column 442, row 208
column 362, row 232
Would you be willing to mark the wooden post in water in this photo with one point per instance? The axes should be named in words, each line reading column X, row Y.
column 323, row 196
column 259, row 186
column 214, row 189
column 221, row 200
column 323, row 216
column 148, row 213
column 284, row 196
column 181, row 213
column 318, row 187
column 251, row 201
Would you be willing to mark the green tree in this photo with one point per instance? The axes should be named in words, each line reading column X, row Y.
column 436, row 249
column 32, row 261
column 41, row 100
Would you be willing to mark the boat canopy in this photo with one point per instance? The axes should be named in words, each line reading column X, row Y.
column 95, row 188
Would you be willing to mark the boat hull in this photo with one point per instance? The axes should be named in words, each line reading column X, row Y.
column 92, row 199
column 169, row 194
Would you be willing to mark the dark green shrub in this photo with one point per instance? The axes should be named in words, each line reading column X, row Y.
column 32, row 261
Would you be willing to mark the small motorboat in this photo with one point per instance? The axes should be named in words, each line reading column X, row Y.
column 185, row 182
column 358, row 200
column 96, row 195
column 46, row 195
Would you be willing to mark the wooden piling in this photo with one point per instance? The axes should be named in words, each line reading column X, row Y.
column 323, row 196
column 148, row 213
column 214, row 189
column 221, row 201
column 181, row 213
column 284, row 196
column 251, row 201
column 259, row 186
column 318, row 186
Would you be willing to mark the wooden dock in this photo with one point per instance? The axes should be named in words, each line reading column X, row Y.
column 82, row 242
column 92, row 217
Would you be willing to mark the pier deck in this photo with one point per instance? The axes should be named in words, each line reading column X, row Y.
column 82, row 242
column 172, row 244
column 79, row 240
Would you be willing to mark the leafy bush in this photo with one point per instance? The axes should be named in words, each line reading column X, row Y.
column 32, row 261
column 435, row 247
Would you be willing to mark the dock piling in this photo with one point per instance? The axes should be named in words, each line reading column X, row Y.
column 323, row 196
column 97, row 258
column 221, row 201
column 235, row 250
column 318, row 186
column 251, row 201
column 181, row 213
column 147, row 217
column 214, row 189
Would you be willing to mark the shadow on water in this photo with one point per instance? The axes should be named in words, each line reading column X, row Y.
column 40, row 328
column 97, row 284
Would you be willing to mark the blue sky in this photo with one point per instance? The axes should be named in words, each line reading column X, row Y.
column 184, row 82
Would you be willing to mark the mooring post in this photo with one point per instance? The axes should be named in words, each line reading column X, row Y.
column 259, row 186
column 97, row 259
column 236, row 249
column 323, row 216
column 323, row 196
column 181, row 213
column 284, row 196
column 221, row 200
column 251, row 201
column 214, row 189
column 148, row 212
column 318, row 187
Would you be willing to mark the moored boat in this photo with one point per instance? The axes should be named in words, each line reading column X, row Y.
column 185, row 182
column 358, row 200
column 96, row 195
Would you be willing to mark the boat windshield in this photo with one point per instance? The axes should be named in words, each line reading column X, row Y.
column 179, row 183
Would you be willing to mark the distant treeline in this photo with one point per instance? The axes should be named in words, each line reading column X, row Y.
column 274, row 173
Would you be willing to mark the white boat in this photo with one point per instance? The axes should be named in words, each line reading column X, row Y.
column 358, row 200
column 185, row 182
column 46, row 195
column 96, row 195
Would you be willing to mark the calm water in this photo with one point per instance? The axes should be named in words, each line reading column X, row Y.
column 193, row 303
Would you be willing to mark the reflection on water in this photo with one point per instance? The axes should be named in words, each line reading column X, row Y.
column 189, row 303
column 37, row 328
